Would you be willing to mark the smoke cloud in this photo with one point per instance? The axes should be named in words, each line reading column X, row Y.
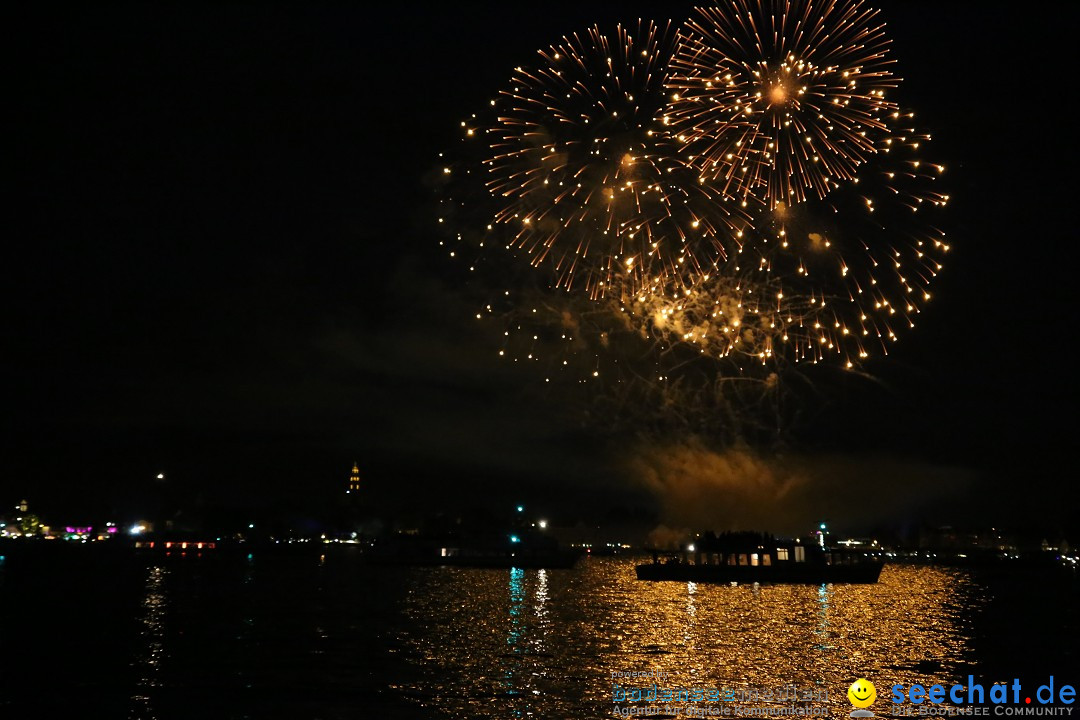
column 701, row 488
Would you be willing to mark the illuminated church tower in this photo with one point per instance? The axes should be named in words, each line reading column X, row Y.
column 354, row 479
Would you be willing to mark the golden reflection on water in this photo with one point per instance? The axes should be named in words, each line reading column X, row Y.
column 147, row 661
column 535, row 643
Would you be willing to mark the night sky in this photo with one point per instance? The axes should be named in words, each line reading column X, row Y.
column 222, row 265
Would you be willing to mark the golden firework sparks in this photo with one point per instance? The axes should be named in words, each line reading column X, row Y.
column 780, row 99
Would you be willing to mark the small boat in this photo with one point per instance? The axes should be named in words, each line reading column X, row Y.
column 760, row 558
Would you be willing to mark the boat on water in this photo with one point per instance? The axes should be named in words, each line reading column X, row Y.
column 760, row 558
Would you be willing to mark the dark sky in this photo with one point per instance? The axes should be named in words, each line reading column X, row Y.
column 221, row 266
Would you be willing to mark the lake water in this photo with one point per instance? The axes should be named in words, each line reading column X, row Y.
column 321, row 635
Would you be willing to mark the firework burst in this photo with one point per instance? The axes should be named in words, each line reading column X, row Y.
column 584, row 174
column 831, row 278
column 780, row 100
column 737, row 200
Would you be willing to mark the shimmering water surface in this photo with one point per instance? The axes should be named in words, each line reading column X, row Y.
column 325, row 636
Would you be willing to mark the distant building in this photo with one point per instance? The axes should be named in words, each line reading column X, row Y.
column 22, row 524
column 947, row 537
column 354, row 479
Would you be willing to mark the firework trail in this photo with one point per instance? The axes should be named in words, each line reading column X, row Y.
column 618, row 372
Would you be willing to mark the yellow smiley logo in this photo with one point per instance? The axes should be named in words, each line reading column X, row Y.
column 862, row 693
